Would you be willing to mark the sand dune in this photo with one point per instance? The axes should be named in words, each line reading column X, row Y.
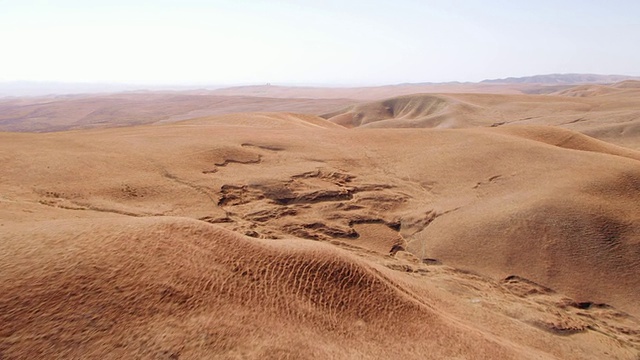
column 126, row 109
column 627, row 84
column 610, row 113
column 607, row 112
column 413, row 110
column 178, row 288
column 171, row 287
column 276, row 235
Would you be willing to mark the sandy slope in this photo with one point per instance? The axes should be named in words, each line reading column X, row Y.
column 286, row 236
column 607, row 112
column 59, row 113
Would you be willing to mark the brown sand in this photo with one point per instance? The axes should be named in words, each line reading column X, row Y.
column 610, row 113
column 275, row 235
column 59, row 113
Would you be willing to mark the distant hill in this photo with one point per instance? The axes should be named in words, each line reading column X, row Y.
column 537, row 84
column 65, row 112
column 567, row 79
column 36, row 88
column 48, row 88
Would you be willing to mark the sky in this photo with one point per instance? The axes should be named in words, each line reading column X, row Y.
column 328, row 42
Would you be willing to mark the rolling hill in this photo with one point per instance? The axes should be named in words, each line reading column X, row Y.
column 279, row 235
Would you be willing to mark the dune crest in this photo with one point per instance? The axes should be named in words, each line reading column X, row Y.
column 173, row 287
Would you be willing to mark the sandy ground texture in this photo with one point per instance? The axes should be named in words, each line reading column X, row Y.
column 286, row 236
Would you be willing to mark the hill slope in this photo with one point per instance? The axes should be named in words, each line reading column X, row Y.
column 610, row 113
column 61, row 113
column 281, row 235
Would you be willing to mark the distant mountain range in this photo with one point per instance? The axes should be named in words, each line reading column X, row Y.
column 34, row 88
column 564, row 79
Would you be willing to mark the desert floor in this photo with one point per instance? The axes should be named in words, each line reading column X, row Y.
column 480, row 222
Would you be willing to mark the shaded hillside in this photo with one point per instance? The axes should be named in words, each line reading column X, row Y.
column 407, row 111
column 610, row 113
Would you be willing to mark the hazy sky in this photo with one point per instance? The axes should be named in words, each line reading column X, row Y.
column 314, row 42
